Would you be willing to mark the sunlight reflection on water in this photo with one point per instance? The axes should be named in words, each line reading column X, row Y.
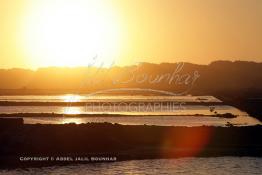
column 72, row 110
column 71, row 98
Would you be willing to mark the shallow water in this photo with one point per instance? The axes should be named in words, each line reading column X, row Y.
column 86, row 98
column 164, row 117
column 175, row 112
column 205, row 166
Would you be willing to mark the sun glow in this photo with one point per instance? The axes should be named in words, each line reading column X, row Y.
column 70, row 33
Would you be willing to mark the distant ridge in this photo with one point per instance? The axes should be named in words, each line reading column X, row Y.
column 215, row 77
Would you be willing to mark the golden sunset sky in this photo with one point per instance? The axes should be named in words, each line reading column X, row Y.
column 40, row 33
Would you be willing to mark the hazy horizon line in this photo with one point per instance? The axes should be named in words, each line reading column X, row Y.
column 123, row 66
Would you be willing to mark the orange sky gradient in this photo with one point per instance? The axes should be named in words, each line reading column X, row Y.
column 41, row 33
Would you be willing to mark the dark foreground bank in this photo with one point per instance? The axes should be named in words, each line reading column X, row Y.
column 23, row 145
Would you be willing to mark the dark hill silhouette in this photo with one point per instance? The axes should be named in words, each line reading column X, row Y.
column 215, row 77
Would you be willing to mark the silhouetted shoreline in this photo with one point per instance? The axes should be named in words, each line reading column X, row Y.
column 123, row 142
